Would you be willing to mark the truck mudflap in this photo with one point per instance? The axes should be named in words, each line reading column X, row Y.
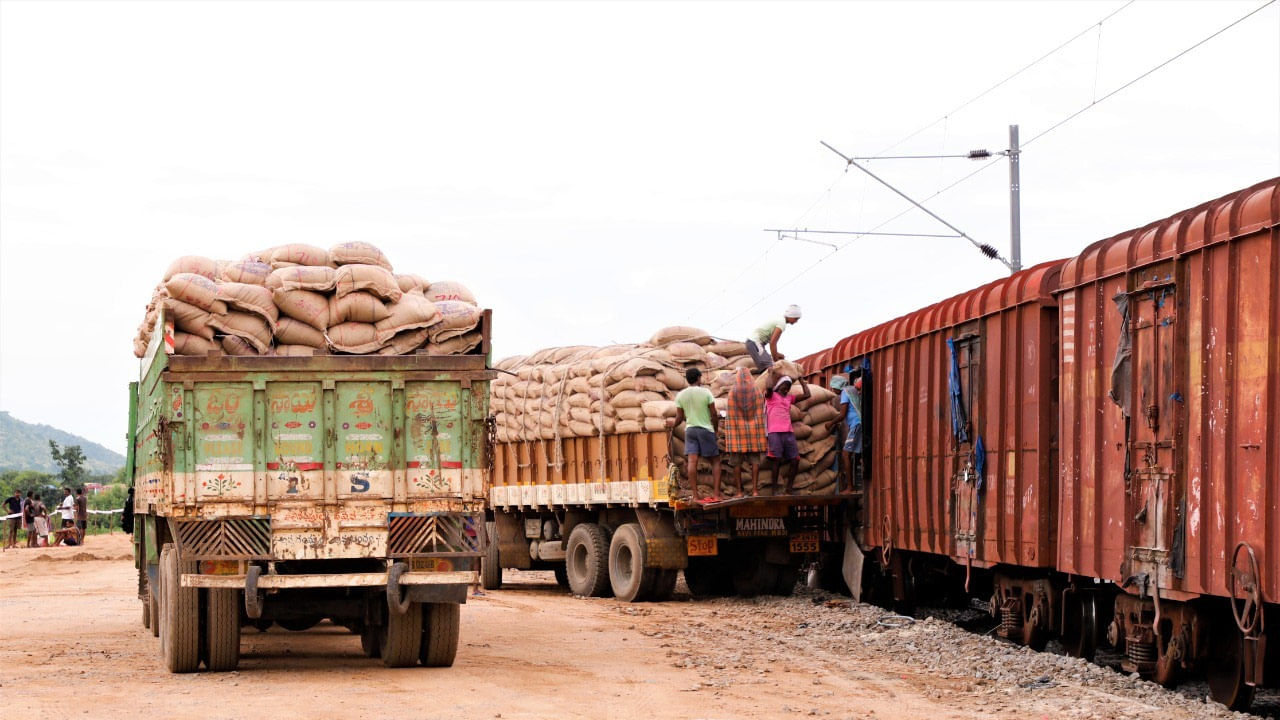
column 340, row 580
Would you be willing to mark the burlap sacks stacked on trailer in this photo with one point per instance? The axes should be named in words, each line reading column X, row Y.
column 298, row 300
column 585, row 391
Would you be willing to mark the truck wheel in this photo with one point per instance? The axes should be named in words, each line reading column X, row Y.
column 630, row 579
column 441, row 623
column 707, row 577
column 664, row 585
column 222, row 628
column 753, row 576
column 562, row 576
column 785, row 579
column 153, row 609
column 370, row 641
column 491, row 564
column 401, row 637
column 587, row 561
column 180, row 617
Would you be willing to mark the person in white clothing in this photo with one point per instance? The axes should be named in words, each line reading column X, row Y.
column 68, row 508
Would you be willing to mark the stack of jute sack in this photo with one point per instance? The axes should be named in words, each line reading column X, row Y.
column 585, row 391
column 303, row 300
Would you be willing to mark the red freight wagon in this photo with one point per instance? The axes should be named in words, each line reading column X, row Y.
column 1170, row 446
column 960, row 405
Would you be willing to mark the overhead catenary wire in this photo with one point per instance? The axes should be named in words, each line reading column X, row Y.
column 945, row 116
column 987, row 166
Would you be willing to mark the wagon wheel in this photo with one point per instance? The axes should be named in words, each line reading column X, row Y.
column 1226, row 674
column 1034, row 633
column 1246, row 591
column 1080, row 624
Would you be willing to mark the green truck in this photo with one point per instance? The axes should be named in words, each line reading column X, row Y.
column 291, row 490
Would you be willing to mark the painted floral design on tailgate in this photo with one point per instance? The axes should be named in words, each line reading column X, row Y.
column 220, row 485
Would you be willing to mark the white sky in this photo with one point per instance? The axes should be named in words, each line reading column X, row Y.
column 593, row 171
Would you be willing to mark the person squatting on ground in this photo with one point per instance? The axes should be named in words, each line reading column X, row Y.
column 763, row 343
column 782, row 438
column 744, row 433
column 13, row 519
column 696, row 408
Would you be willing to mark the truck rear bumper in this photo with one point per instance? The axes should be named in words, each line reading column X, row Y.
column 283, row 582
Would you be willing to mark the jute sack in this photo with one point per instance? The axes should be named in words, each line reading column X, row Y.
column 188, row 344
column 674, row 380
column 821, row 413
column 250, row 272
column 410, row 283
column 296, row 332
column 405, row 343
column 629, row 426
column 802, row 431
column 358, row 253
column 196, row 290
column 581, row 400
column 321, row 278
column 742, row 361
column 582, row 429
column 580, row 414
column 509, row 363
column 456, row 318
column 411, row 312
column 642, row 383
column 249, row 326
column 140, row 346
column 188, row 318
column 357, row 307
column 727, row 348
column 254, row 299
column 295, row 351
column 659, row 408
column 371, row 278
column 233, row 345
column 306, row 306
column 715, row 362
column 818, row 396
column 459, row 345
column 633, row 367
column 449, row 290
column 653, row 424
column 633, row 414
column 678, row 333
column 636, row 398
column 687, row 352
column 298, row 254
column 354, row 337
column 194, row 264
column 578, row 385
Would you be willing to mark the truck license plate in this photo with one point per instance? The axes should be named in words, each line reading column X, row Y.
column 701, row 545
column 805, row 542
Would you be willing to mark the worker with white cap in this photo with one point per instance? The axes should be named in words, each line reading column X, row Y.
column 763, row 343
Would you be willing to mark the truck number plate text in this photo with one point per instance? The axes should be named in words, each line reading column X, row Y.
column 805, row 542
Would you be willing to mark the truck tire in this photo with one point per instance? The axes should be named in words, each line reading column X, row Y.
column 441, row 623
column 785, row 579
column 664, row 584
column 222, row 629
column 370, row 641
column 753, row 576
column 401, row 637
column 491, row 564
column 707, row 577
column 630, row 579
column 587, row 561
column 562, row 575
column 153, row 609
column 180, row 617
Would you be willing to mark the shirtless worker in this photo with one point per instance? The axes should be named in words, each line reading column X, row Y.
column 763, row 343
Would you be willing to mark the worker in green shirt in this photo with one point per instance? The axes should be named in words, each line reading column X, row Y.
column 696, row 408
column 763, row 343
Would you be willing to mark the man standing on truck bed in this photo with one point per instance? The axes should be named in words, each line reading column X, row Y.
column 696, row 408
column 763, row 343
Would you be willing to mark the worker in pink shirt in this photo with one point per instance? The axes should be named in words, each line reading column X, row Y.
column 783, row 457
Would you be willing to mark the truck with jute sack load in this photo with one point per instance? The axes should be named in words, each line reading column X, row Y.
column 590, row 482
column 293, row 489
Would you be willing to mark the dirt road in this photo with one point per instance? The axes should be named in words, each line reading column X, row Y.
column 74, row 640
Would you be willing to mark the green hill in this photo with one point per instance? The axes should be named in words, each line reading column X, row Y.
column 24, row 446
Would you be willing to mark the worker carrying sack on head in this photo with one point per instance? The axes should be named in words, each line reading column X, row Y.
column 763, row 343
